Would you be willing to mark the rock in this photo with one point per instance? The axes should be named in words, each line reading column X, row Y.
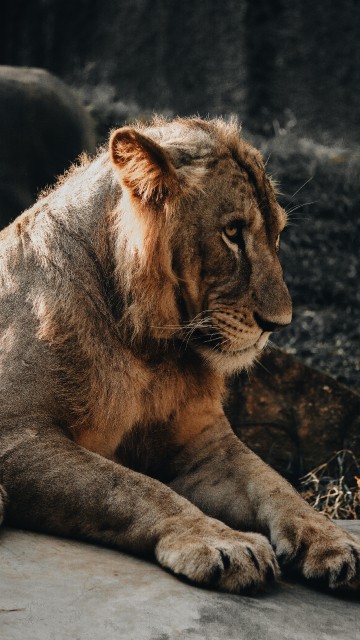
column 293, row 416
column 62, row 589
column 43, row 128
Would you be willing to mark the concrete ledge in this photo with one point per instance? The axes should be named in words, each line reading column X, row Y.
column 55, row 589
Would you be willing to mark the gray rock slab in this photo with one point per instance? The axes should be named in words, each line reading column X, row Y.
column 57, row 589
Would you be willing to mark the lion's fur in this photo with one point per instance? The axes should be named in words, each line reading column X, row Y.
column 123, row 306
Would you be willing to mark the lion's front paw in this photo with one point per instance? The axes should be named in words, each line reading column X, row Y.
column 211, row 554
column 320, row 549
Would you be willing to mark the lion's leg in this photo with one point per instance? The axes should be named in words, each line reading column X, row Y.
column 56, row 486
column 219, row 474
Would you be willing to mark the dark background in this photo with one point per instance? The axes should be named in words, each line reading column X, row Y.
column 260, row 58
column 289, row 70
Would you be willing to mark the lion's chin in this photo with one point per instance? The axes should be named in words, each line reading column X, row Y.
column 229, row 362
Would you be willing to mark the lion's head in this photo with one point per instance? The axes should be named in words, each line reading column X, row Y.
column 200, row 219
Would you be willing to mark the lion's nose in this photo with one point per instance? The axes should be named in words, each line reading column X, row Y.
column 268, row 325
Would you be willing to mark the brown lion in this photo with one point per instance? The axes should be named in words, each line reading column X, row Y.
column 128, row 293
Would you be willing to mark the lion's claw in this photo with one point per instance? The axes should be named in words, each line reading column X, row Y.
column 219, row 556
column 321, row 550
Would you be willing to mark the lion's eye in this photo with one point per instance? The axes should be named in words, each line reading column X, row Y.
column 233, row 231
column 277, row 244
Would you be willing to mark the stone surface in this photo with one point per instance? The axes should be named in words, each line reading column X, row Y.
column 59, row 589
column 293, row 416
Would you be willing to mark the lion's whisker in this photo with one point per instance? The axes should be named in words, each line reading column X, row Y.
column 262, row 366
column 198, row 326
column 302, row 204
column 302, row 186
column 267, row 160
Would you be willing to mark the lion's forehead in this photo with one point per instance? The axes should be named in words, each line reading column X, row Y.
column 233, row 194
column 234, row 172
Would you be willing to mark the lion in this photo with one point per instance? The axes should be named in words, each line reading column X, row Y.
column 129, row 293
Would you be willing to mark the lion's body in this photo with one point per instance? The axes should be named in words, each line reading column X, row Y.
column 106, row 389
column 124, row 302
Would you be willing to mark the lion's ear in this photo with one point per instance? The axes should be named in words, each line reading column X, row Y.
column 145, row 168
